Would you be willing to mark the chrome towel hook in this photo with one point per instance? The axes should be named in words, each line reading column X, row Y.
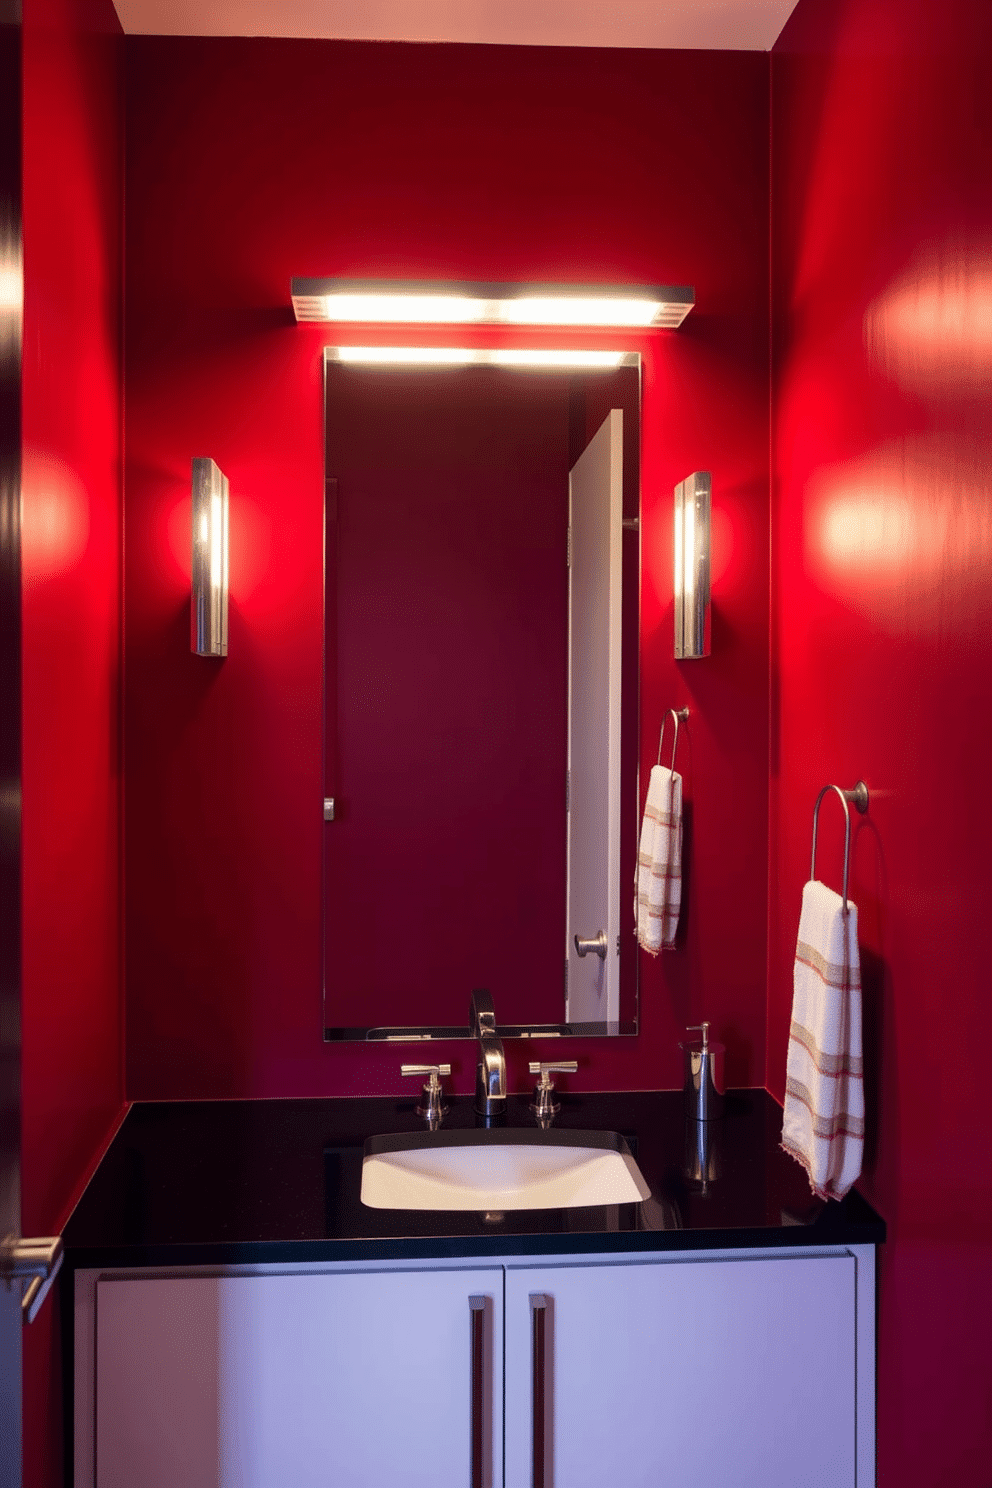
column 859, row 799
column 680, row 715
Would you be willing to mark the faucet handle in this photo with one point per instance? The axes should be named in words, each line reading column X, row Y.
column 544, row 1103
column 552, row 1067
column 432, row 1103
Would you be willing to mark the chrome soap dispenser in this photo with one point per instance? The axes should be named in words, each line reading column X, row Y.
column 703, row 1082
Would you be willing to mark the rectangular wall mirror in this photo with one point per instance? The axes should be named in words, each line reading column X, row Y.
column 480, row 698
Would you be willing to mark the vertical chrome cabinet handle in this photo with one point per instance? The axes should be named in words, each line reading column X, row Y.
column 481, row 1476
column 542, row 1383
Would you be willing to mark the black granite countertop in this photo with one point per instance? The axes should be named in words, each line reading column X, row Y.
column 232, row 1182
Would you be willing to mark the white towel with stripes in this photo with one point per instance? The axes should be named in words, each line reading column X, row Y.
column 658, row 894
column 823, row 1125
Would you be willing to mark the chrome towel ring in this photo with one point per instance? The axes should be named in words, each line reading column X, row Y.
column 859, row 799
column 680, row 715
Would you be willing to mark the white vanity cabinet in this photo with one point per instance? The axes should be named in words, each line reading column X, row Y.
column 753, row 1369
column 709, row 1372
column 362, row 1380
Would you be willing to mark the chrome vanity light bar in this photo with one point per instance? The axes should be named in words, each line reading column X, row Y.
column 417, row 302
column 464, row 356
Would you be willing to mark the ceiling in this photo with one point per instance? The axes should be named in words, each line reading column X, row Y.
column 731, row 25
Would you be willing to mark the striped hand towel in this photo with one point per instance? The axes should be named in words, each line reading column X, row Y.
column 659, row 862
column 823, row 1124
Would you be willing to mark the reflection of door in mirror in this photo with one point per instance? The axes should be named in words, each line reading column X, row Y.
column 446, row 692
column 592, row 932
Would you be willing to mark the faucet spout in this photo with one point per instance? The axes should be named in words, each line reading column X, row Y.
column 490, row 1083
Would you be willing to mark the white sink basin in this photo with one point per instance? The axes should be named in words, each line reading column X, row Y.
column 497, row 1169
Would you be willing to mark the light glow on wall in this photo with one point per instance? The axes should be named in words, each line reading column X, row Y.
column 55, row 521
column 869, row 529
column 887, row 535
column 931, row 330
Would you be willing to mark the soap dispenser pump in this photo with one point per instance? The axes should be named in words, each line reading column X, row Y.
column 703, row 1085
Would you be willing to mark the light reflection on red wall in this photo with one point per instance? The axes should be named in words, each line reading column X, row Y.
column 931, row 330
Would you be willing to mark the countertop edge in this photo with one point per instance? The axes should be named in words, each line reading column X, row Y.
column 441, row 1248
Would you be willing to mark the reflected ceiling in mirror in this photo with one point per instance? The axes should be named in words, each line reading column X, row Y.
column 446, row 695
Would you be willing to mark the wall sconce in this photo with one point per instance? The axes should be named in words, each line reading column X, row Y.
column 692, row 566
column 390, row 302
column 208, row 613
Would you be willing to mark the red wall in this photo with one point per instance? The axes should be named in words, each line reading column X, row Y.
column 72, row 1079
column 252, row 161
column 881, row 657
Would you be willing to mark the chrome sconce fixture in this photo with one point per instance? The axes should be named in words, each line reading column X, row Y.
column 692, row 566
column 208, row 613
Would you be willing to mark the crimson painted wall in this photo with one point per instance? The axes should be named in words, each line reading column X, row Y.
column 249, row 162
column 72, row 1080
column 882, row 646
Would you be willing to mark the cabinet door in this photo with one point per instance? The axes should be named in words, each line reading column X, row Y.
column 343, row 1381
column 722, row 1374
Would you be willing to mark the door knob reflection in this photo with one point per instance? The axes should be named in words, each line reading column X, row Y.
column 591, row 945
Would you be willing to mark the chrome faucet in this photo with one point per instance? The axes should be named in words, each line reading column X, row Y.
column 490, row 1082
